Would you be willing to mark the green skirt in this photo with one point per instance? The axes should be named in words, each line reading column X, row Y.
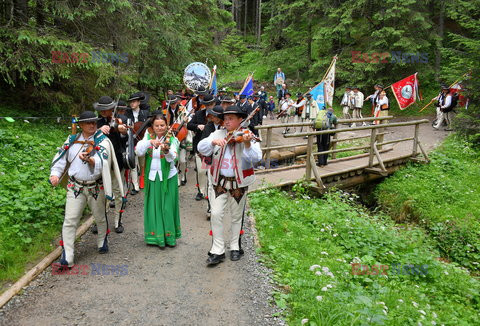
column 161, row 212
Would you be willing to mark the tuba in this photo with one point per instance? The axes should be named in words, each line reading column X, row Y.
column 197, row 74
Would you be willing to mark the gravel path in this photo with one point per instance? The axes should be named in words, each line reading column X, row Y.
column 163, row 287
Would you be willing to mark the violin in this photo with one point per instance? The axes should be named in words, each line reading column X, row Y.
column 90, row 150
column 237, row 136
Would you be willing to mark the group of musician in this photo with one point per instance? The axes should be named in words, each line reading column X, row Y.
column 124, row 148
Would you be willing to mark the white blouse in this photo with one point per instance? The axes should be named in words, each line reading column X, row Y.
column 156, row 166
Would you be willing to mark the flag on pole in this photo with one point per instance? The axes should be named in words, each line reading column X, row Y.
column 458, row 88
column 406, row 91
column 318, row 95
column 213, row 82
column 329, row 80
column 247, row 88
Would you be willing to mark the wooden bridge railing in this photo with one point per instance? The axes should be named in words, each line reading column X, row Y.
column 268, row 148
column 375, row 144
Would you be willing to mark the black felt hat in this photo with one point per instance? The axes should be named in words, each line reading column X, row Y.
column 201, row 91
column 122, row 105
column 104, row 103
column 87, row 116
column 309, row 95
column 228, row 99
column 208, row 99
column 172, row 99
column 233, row 109
column 217, row 111
column 136, row 96
column 299, row 95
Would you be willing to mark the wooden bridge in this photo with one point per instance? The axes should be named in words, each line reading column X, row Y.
column 378, row 158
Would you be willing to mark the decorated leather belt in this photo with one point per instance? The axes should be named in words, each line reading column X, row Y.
column 384, row 109
column 86, row 183
column 236, row 192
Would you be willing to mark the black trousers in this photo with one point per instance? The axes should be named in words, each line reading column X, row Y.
column 323, row 144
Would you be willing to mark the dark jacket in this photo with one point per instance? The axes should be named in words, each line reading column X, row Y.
column 281, row 93
column 118, row 140
column 200, row 118
column 142, row 115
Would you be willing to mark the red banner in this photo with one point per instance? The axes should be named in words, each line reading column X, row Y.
column 406, row 91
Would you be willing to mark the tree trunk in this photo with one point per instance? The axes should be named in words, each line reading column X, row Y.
column 439, row 44
column 20, row 12
column 245, row 21
column 259, row 22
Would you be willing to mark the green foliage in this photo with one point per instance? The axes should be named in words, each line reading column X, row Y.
column 31, row 211
column 443, row 198
column 311, row 244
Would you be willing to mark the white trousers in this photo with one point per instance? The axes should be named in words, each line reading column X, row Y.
column 137, row 172
column 441, row 116
column 74, row 208
column 182, row 165
column 202, row 170
column 346, row 112
column 219, row 205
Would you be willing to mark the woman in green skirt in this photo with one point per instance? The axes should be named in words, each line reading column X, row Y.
column 161, row 209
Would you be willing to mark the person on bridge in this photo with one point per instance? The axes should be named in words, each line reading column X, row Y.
column 325, row 120
column 89, row 159
column 231, row 173
column 381, row 108
column 311, row 110
column 161, row 206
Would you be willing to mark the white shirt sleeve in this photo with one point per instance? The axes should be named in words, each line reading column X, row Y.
column 59, row 166
column 142, row 147
column 302, row 103
column 172, row 153
column 205, row 146
column 254, row 153
column 448, row 101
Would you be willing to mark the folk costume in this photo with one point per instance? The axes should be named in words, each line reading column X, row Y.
column 87, row 185
column 137, row 115
column 346, row 103
column 444, row 103
column 119, row 143
column 231, row 173
column 357, row 103
column 381, row 108
column 161, row 205
column 200, row 118
column 299, row 107
column 286, row 111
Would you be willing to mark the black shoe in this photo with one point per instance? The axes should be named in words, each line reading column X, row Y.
column 171, row 246
column 235, row 255
column 133, row 192
column 119, row 229
column 199, row 196
column 94, row 229
column 183, row 182
column 215, row 259
column 104, row 248
column 112, row 204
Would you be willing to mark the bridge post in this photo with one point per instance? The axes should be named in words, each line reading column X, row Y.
column 268, row 152
column 381, row 132
column 308, row 172
column 334, row 146
column 372, row 145
column 415, row 140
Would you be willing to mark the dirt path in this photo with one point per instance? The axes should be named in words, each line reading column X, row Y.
column 163, row 287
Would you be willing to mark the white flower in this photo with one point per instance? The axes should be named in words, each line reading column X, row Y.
column 319, row 298
column 445, row 272
column 322, row 230
column 400, row 300
column 433, row 322
column 381, row 302
column 334, row 235
column 318, row 273
column 312, row 268
column 324, row 253
column 356, row 260
column 419, row 324
column 417, row 286
column 415, row 304
column 428, row 306
column 324, row 289
column 422, row 312
column 434, row 315
column 325, row 269
column 329, row 286
column 384, row 311
column 304, row 321
column 330, row 274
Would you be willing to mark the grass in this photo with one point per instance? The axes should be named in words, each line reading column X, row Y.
column 443, row 197
column 31, row 211
column 311, row 244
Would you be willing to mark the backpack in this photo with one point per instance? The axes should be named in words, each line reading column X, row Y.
column 453, row 103
column 322, row 121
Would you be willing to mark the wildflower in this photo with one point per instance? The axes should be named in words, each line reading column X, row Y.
column 420, row 324
column 312, row 268
column 445, row 272
column 304, row 321
column 381, row 302
column 422, row 312
column 330, row 274
column 433, row 322
column 329, row 286
column 384, row 311
column 400, row 300
column 324, row 289
column 322, row 230
column 415, row 304
column 434, row 315
column 319, row 298
column 334, row 235
column 318, row 273
column 324, row 253
column 325, row 269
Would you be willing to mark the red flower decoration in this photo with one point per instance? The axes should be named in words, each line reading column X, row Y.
column 206, row 197
column 97, row 148
column 101, row 187
column 61, row 243
column 108, row 231
column 152, row 233
column 66, row 147
column 122, row 211
column 242, row 232
column 196, row 185
column 167, row 234
column 186, row 170
column 70, row 185
column 210, row 233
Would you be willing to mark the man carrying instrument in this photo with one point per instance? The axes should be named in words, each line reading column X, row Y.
column 299, row 106
column 231, row 173
column 112, row 125
column 88, row 158
column 135, row 114
column 197, row 124
column 285, row 111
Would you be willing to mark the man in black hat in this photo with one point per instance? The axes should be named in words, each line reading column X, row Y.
column 135, row 114
column 197, row 125
column 444, row 107
column 172, row 108
column 375, row 97
column 197, row 101
column 282, row 92
column 88, row 158
column 227, row 101
column 346, row 102
column 220, row 96
column 115, row 130
column 231, row 173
